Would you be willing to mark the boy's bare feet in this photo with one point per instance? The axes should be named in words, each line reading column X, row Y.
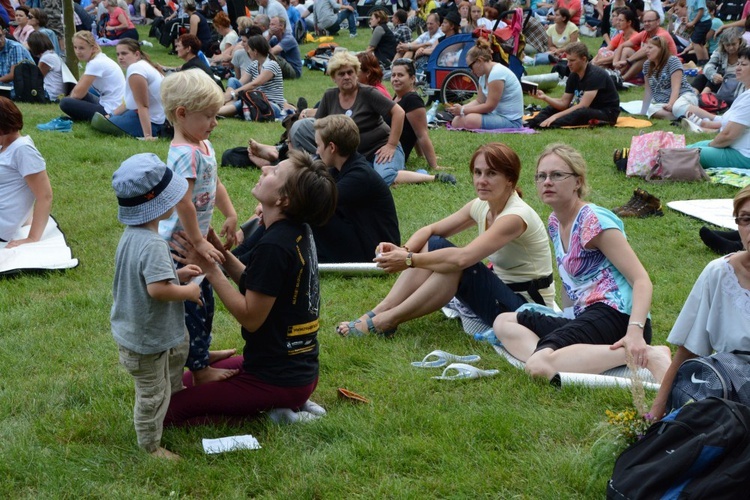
column 211, row 374
column 165, row 453
column 214, row 356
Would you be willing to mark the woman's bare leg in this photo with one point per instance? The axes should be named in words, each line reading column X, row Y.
column 589, row 358
column 517, row 339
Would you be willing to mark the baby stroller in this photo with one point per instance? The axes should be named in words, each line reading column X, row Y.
column 448, row 77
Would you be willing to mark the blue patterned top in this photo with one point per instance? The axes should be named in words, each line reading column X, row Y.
column 587, row 275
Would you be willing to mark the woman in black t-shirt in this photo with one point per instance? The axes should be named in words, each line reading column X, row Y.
column 277, row 305
column 414, row 132
column 383, row 42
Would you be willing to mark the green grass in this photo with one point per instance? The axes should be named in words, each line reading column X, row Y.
column 66, row 406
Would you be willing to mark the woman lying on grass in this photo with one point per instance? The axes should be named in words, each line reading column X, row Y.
column 607, row 291
column 511, row 236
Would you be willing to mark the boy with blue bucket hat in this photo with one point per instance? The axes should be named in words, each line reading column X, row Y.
column 148, row 315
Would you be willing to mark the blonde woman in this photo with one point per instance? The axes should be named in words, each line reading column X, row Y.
column 607, row 291
column 102, row 75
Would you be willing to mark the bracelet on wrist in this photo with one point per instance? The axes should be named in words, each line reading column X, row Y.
column 638, row 324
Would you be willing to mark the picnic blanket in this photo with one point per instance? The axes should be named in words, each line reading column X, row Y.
column 522, row 130
column 717, row 212
column 622, row 122
column 737, row 177
column 51, row 252
column 616, row 377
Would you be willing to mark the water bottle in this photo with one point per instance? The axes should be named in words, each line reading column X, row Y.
column 432, row 112
column 246, row 112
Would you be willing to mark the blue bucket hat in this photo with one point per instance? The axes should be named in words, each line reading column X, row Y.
column 146, row 189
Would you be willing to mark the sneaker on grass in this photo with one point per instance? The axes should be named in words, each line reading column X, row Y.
column 446, row 178
column 61, row 124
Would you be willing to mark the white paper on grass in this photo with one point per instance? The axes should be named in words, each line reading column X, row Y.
column 230, row 443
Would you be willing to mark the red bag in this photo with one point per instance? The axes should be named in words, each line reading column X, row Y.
column 711, row 103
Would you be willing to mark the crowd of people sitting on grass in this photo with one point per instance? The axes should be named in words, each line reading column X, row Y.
column 329, row 182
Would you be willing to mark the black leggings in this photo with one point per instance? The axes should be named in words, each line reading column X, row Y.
column 81, row 109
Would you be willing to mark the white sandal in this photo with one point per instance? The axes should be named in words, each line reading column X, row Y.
column 465, row 372
column 442, row 358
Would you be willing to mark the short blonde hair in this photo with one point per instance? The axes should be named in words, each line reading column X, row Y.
column 192, row 89
column 573, row 159
column 740, row 199
column 340, row 59
column 88, row 38
column 243, row 22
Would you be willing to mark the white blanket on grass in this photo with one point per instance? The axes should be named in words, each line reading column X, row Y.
column 51, row 252
column 717, row 212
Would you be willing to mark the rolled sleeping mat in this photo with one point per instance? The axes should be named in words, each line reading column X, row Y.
column 564, row 379
column 351, row 268
column 545, row 81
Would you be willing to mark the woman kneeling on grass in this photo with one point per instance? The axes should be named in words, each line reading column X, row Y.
column 511, row 236
column 607, row 291
column 277, row 305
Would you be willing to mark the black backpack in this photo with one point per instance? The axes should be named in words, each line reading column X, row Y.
column 255, row 106
column 701, row 450
column 723, row 375
column 28, row 83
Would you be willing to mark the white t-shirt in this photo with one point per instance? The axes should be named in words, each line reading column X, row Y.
column 16, row 199
column 425, row 37
column 716, row 314
column 739, row 112
column 108, row 81
column 53, row 80
column 153, row 78
column 510, row 104
column 229, row 39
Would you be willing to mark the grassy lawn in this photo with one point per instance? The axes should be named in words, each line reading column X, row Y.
column 66, row 405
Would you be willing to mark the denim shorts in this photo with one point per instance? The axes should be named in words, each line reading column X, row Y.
column 494, row 120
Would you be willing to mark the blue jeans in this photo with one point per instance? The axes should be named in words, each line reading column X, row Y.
column 480, row 288
column 388, row 171
column 129, row 122
column 495, row 120
column 351, row 17
column 234, row 83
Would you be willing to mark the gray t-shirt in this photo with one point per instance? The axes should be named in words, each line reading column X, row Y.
column 275, row 9
column 368, row 112
column 325, row 13
column 139, row 322
column 17, row 161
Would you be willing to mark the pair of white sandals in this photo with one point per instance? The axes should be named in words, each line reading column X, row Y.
column 458, row 369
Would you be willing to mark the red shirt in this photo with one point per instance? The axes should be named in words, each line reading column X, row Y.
column 640, row 38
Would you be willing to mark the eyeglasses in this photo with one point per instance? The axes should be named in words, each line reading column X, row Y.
column 555, row 176
column 742, row 221
column 471, row 64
